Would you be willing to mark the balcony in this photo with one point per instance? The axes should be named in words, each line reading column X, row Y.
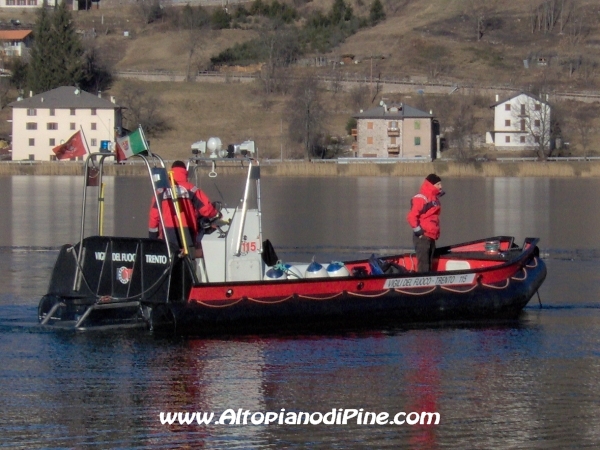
column 393, row 149
column 354, row 132
column 393, row 131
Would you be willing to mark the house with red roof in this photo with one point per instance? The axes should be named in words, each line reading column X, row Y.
column 15, row 42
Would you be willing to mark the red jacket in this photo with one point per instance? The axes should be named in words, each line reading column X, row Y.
column 425, row 209
column 193, row 204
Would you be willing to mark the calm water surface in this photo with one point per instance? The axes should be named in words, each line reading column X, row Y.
column 529, row 383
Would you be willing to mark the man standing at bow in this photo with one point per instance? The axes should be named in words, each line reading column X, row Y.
column 424, row 219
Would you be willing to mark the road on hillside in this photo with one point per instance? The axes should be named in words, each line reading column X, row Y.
column 382, row 85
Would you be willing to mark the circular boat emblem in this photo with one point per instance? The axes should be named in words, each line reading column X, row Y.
column 124, row 274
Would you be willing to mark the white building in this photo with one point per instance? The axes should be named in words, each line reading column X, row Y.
column 43, row 121
column 25, row 4
column 521, row 122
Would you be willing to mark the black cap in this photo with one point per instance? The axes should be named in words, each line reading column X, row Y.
column 433, row 178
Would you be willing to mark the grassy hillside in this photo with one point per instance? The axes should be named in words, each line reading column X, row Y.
column 436, row 39
column 426, row 40
column 234, row 112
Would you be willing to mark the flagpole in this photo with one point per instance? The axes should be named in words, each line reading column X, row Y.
column 87, row 147
column 144, row 139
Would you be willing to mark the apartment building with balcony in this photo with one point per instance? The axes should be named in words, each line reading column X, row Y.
column 521, row 122
column 395, row 131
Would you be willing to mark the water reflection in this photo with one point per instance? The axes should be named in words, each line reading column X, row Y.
column 521, row 206
column 310, row 212
column 497, row 385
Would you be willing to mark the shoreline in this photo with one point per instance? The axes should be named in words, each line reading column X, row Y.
column 332, row 169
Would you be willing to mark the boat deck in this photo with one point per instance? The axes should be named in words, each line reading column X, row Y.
column 497, row 256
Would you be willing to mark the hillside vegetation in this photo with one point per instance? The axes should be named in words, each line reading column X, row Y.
column 536, row 46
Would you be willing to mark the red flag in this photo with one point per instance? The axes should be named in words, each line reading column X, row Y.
column 72, row 148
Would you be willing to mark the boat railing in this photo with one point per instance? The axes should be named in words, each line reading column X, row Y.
column 93, row 170
column 253, row 174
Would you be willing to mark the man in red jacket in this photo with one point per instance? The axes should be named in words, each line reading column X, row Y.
column 194, row 205
column 424, row 219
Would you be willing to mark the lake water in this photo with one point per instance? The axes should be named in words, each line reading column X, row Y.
column 529, row 383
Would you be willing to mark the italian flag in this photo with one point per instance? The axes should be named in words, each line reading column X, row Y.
column 132, row 144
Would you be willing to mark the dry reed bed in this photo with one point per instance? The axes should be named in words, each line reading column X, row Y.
column 302, row 169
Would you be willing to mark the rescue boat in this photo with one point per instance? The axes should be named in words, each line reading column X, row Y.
column 241, row 286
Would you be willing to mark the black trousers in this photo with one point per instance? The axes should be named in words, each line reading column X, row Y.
column 424, row 248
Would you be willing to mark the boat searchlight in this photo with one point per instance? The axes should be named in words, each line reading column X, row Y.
column 215, row 147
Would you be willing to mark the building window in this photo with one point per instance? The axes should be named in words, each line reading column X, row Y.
column 507, row 107
column 93, row 125
column 522, row 139
column 32, row 2
column 31, row 126
column 10, row 2
column 52, row 142
column 370, row 140
column 538, row 107
column 393, row 140
column 21, row 2
column 507, row 123
column 417, row 140
column 73, row 111
column 94, row 142
column 31, row 142
column 52, row 126
column 72, row 126
column 537, row 123
column 522, row 124
column 369, row 125
column 536, row 139
column 522, row 110
column 52, row 112
column 507, row 139
column 93, row 111
column 417, row 124
column 393, row 125
column 32, row 112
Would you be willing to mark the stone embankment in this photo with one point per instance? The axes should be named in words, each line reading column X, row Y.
column 314, row 169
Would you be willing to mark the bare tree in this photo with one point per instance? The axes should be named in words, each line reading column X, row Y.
column 280, row 47
column 149, row 10
column 4, row 91
column 98, row 72
column 481, row 10
column 359, row 97
column 588, row 70
column 533, row 118
column 544, row 17
column 143, row 108
column 577, row 27
column 193, row 21
column 437, row 60
column 462, row 126
column 566, row 10
column 582, row 122
column 337, row 77
column 307, row 114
